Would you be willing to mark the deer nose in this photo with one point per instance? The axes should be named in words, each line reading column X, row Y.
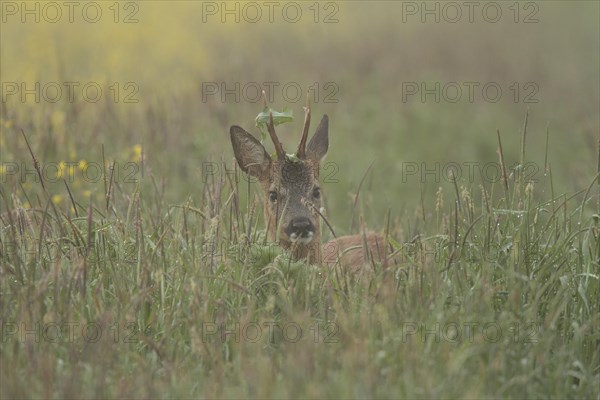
column 300, row 227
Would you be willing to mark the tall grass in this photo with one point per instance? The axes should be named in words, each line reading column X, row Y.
column 133, row 259
column 134, row 296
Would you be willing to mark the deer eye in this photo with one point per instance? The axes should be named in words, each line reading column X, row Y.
column 317, row 193
column 272, row 196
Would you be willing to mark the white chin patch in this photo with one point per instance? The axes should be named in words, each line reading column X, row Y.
column 302, row 240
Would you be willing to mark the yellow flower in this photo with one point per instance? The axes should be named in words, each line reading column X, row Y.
column 82, row 165
column 60, row 169
column 137, row 153
column 56, row 199
column 87, row 193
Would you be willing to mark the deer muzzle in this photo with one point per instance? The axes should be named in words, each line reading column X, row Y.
column 300, row 230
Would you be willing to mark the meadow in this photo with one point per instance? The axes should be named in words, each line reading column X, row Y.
column 133, row 259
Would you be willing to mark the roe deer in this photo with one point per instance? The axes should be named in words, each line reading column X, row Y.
column 293, row 198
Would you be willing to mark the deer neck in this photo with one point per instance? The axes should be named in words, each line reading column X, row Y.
column 312, row 250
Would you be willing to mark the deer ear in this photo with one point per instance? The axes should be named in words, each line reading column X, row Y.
column 249, row 152
column 319, row 143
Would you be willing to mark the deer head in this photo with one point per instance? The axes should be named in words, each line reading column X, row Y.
column 290, row 184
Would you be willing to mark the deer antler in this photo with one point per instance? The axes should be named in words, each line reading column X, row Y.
column 276, row 142
column 301, row 152
column 271, row 129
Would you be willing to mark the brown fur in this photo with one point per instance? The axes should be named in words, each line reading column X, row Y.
column 356, row 251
